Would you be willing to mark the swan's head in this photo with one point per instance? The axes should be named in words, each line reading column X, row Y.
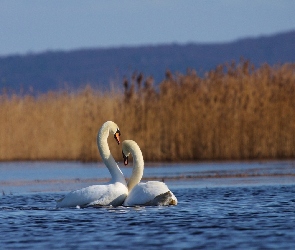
column 113, row 129
column 126, row 151
column 128, row 147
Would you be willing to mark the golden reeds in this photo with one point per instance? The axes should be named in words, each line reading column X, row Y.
column 232, row 112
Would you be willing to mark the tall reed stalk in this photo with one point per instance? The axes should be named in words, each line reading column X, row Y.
column 233, row 112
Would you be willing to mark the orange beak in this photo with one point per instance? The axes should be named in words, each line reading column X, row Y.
column 125, row 159
column 117, row 137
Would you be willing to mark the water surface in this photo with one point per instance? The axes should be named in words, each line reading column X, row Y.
column 221, row 206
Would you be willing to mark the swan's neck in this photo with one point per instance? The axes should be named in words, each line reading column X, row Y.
column 108, row 159
column 138, row 165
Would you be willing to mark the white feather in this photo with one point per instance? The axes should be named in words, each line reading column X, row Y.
column 112, row 193
column 149, row 193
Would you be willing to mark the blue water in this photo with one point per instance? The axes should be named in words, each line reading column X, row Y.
column 220, row 207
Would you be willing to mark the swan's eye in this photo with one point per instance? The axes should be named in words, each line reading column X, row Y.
column 118, row 132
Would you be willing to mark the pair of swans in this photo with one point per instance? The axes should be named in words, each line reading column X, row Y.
column 117, row 192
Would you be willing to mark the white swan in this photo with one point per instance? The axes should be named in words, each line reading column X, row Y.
column 151, row 193
column 112, row 193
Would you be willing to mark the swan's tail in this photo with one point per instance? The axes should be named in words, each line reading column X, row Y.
column 164, row 199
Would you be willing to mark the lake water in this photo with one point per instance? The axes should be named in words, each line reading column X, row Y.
column 222, row 205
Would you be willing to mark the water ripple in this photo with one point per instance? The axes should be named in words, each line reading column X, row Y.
column 206, row 218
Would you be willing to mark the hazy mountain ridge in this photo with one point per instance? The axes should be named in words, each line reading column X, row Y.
column 99, row 67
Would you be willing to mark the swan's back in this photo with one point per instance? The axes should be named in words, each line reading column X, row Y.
column 151, row 193
column 102, row 195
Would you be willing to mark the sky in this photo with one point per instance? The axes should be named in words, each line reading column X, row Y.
column 33, row 26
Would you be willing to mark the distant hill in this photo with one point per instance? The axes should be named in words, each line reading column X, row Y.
column 99, row 67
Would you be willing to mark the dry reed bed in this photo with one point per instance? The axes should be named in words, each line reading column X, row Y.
column 233, row 112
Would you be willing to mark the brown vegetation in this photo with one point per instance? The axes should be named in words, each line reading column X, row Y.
column 233, row 112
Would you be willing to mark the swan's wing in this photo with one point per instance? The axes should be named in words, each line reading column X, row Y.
column 82, row 196
column 114, row 195
column 103, row 195
column 151, row 193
